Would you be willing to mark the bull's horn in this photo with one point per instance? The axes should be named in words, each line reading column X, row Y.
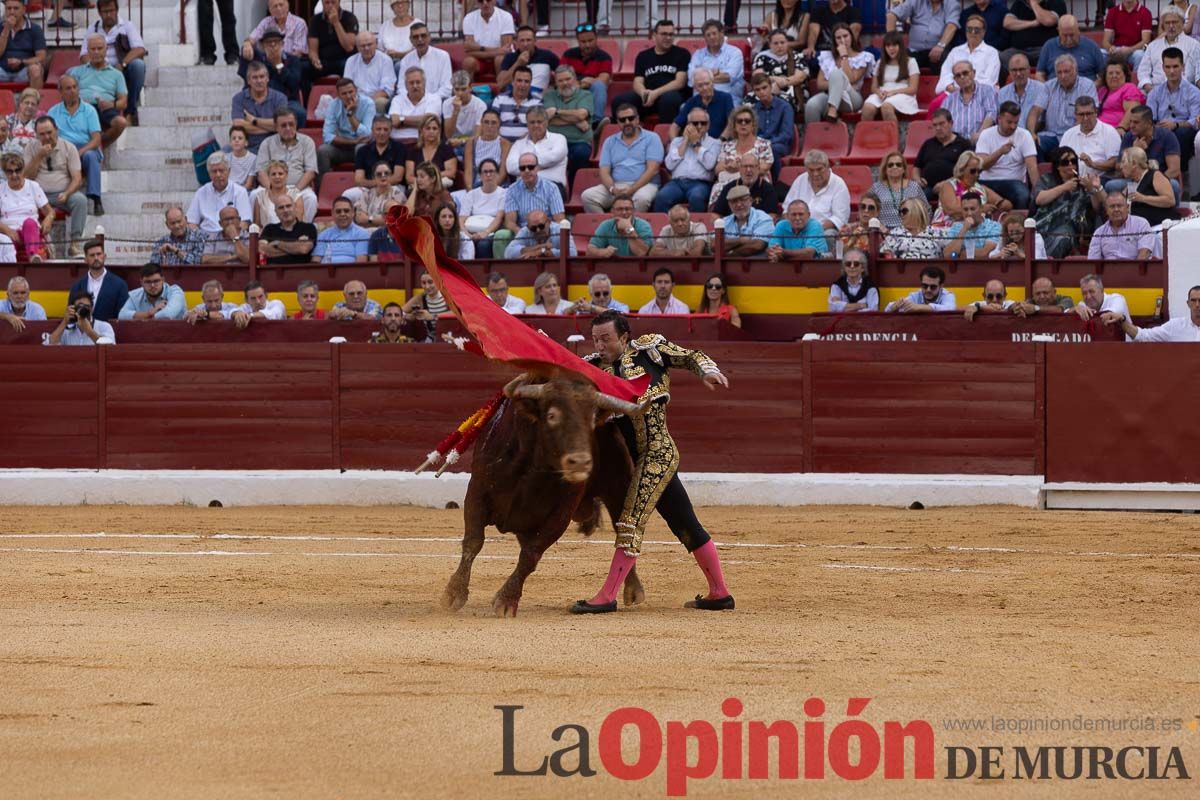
column 609, row 403
column 530, row 391
column 511, row 386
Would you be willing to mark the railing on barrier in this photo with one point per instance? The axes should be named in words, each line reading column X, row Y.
column 57, row 36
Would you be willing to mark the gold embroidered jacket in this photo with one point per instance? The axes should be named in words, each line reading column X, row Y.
column 653, row 355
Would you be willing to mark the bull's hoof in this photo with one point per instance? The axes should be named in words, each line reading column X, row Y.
column 584, row 607
column 705, row 604
column 505, row 606
column 634, row 595
column 454, row 599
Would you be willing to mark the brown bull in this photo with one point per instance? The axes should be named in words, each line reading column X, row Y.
column 545, row 458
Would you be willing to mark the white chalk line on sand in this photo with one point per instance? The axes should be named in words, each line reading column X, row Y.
column 878, row 568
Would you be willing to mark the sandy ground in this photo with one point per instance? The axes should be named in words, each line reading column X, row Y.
column 189, row 664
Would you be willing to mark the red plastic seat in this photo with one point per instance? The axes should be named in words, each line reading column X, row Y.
column 457, row 52
column 314, row 98
column 584, row 179
column 611, row 129
column 788, row 175
column 858, row 180
column 584, row 226
column 7, row 103
column 925, row 90
column 333, row 186
column 50, row 97
column 831, row 138
column 663, row 129
column 316, row 134
column 60, row 63
column 556, row 46
column 629, row 60
column 872, row 141
column 919, row 132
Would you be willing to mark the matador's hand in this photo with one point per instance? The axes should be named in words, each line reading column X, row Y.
column 714, row 379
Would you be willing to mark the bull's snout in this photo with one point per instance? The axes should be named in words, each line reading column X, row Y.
column 576, row 467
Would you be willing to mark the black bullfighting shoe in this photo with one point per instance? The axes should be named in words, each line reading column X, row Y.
column 704, row 604
column 584, row 607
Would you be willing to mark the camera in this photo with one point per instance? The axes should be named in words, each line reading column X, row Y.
column 83, row 312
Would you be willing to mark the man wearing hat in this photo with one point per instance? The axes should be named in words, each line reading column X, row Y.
column 284, row 72
column 747, row 230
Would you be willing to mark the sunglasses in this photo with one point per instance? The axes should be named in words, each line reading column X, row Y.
column 626, row 119
column 585, row 27
column 974, row 29
column 903, row 211
column 962, row 74
column 487, row 172
column 744, row 121
column 871, row 207
column 854, row 263
column 968, row 170
column 996, row 296
column 538, row 228
column 698, row 123
column 13, row 171
column 931, row 287
column 528, row 167
column 1066, row 162
column 601, row 294
column 714, row 286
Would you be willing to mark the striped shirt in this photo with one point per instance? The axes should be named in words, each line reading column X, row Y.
column 544, row 196
column 969, row 117
column 512, row 113
column 1035, row 95
column 1060, row 104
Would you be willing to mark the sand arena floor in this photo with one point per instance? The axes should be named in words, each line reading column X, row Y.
column 197, row 662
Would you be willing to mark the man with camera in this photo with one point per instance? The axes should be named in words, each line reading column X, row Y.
column 77, row 326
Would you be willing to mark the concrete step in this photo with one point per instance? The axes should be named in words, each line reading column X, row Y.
column 177, row 139
column 188, row 99
column 150, row 203
column 198, row 78
column 175, row 179
column 149, row 160
column 171, row 119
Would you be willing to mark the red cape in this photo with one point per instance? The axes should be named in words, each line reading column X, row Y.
column 500, row 336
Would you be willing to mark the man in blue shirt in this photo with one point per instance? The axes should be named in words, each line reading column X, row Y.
column 538, row 238
column 1089, row 58
column 253, row 108
column 722, row 59
column 25, row 48
column 1176, row 105
column 747, row 230
column 344, row 242
column 17, row 306
column 103, row 86
column 718, row 105
column 977, row 235
column 1029, row 94
column 155, row 300
column 347, row 125
column 529, row 193
column 797, row 237
column 1158, row 142
column 776, row 120
column 79, row 124
column 628, row 165
column 993, row 13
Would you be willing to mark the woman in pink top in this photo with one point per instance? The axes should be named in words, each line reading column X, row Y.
column 1119, row 95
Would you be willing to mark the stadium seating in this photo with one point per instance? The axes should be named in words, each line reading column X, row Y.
column 919, row 131
column 831, row 138
column 858, row 180
column 925, row 90
column 333, row 185
column 50, row 97
column 584, row 179
column 872, row 140
column 314, row 98
column 629, row 59
column 611, row 129
column 663, row 129
column 457, row 52
column 60, row 63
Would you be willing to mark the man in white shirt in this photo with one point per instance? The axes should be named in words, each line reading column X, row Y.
column 1097, row 143
column 487, row 35
column 257, row 306
column 373, row 73
column 664, row 301
column 78, row 327
column 1178, row 329
column 1009, row 156
column 549, row 147
column 480, row 203
column 204, row 212
column 1097, row 301
column 409, row 107
column 932, row 296
column 826, row 194
column 1150, row 70
column 435, row 62
column 995, row 301
column 213, row 305
column 983, row 57
column 497, row 289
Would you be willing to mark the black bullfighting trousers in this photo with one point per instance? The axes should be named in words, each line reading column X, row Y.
column 655, row 485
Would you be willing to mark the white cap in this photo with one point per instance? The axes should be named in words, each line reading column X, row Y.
column 811, row 337
column 337, row 340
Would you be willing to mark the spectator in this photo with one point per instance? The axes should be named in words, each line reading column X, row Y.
column 497, row 289
column 538, row 238
column 664, row 301
column 103, row 86
column 1061, row 94
column 382, row 149
column 857, row 234
column 264, row 199
column 529, row 193
column 894, row 187
column 356, row 305
column 1046, row 300
column 79, row 124
column 257, row 306
column 290, row 240
column 78, row 326
column 1128, row 29
column 628, row 166
column 541, row 63
column 481, row 213
column 488, row 145
column 156, row 299
column 343, row 242
column 938, row 155
column 722, row 60
column 372, row 72
column 300, row 155
column 995, row 301
column 1089, row 58
column 1067, row 203
column 569, row 111
column 455, row 241
column 347, row 126
column 461, row 112
column 514, row 104
column 896, row 80
column 241, row 160
column 107, row 292
column 747, row 230
column 1119, row 96
column 622, row 234
column 212, row 305
column 547, row 297
column 426, row 306
column 8, row 144
column 1160, row 146
column 53, row 163
column 931, row 25
column 370, row 209
column 776, row 121
column 253, row 108
column 1179, row 329
column 681, row 236
column 797, row 238
column 231, row 245
column 982, row 56
column 690, row 158
column 17, row 305
column 392, row 331
column 740, row 138
column 932, row 296
column 593, row 66
column 718, row 106
column 787, row 69
column 182, row 244
column 976, row 236
column 840, row 81
column 431, row 148
column 826, row 194
column 21, row 201
column 330, row 40
column 204, row 24
column 292, row 29
column 24, row 51
column 992, row 13
column 661, row 78
column 1150, row 68
column 1012, row 244
column 550, row 149
column 788, row 16
column 124, row 50
column 966, row 179
column 1009, row 157
column 1123, row 236
column 1096, row 142
column 715, row 301
column 853, row 291
column 410, row 107
column 1031, row 24
column 1151, row 195
column 428, row 191
column 285, row 73
column 763, row 193
column 600, row 297
column 1175, row 105
column 912, row 238
column 308, row 294
column 973, row 104
column 1029, row 94
column 394, row 38
column 23, row 119
column 488, row 34
column 823, row 23
column 433, row 61
column 1097, row 301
